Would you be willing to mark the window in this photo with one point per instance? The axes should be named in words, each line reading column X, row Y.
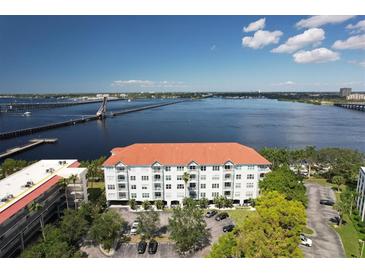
column 133, row 195
column 179, row 177
column 215, row 177
column 227, row 184
column 227, row 193
column 156, row 168
column 250, row 167
column 145, row 195
column 215, row 168
column 122, row 195
column 215, row 185
column 203, row 186
column 133, row 186
column 262, row 175
column 157, row 195
column 250, row 176
column 111, row 187
column 227, row 167
column 157, row 177
column 192, row 167
column 203, row 168
column 192, row 185
column 203, row 177
column 227, row 176
column 168, row 177
column 144, row 178
column 180, row 186
column 238, row 176
column 157, row 186
column 238, row 185
column 168, row 186
column 238, row 167
column 120, row 168
column 180, row 168
column 121, row 186
column 249, row 185
column 133, row 178
column 144, row 187
column 192, row 176
column 215, row 194
column 249, row 194
column 121, row 177
column 167, row 168
column 202, row 195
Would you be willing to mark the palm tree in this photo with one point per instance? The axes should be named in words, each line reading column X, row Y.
column 73, row 179
column 64, row 182
column 35, row 207
column 92, row 169
column 186, row 178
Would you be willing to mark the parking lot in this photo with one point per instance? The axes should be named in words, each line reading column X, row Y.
column 166, row 248
column 326, row 241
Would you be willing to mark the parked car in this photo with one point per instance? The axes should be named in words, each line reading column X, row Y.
column 304, row 240
column 336, row 220
column 134, row 228
column 142, row 247
column 326, row 202
column 221, row 216
column 211, row 213
column 228, row 228
column 152, row 246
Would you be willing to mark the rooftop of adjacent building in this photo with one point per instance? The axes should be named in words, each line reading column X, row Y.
column 30, row 182
column 363, row 169
column 184, row 154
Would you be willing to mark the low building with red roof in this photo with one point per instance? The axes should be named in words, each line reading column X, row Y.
column 156, row 172
column 33, row 196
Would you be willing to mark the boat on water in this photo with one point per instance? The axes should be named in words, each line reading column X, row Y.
column 129, row 100
column 27, row 113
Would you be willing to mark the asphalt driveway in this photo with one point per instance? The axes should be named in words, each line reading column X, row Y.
column 326, row 241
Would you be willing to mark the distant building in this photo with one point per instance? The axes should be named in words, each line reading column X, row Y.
column 344, row 92
column 32, row 197
column 155, row 172
column 356, row 97
column 361, row 192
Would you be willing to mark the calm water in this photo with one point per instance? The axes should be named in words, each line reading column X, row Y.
column 256, row 123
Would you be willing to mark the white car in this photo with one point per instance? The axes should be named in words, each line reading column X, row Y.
column 305, row 240
column 134, row 228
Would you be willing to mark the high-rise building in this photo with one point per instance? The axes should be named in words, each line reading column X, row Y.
column 344, row 92
column 157, row 172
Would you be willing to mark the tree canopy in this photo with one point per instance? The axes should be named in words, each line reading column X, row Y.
column 148, row 223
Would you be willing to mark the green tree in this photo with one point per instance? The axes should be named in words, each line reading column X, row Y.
column 188, row 201
column 159, row 204
column 106, row 228
column 148, row 224
column 64, row 182
column 226, row 247
column 146, row 205
column 285, row 181
column 342, row 207
column 203, row 203
column 73, row 178
column 73, row 226
column 277, row 156
column 349, row 196
column 132, row 204
column 186, row 178
column 36, row 207
column 338, row 181
column 228, row 203
column 219, row 201
column 310, row 156
column 188, row 228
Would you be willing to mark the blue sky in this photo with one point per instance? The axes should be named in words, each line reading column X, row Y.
column 181, row 53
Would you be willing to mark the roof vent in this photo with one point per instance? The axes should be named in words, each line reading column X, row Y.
column 29, row 184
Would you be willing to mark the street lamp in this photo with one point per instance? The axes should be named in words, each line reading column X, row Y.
column 362, row 247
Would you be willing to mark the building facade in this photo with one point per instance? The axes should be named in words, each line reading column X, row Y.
column 33, row 196
column 356, row 97
column 361, row 193
column 344, row 92
column 156, row 172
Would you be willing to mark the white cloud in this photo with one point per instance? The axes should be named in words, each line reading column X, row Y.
column 320, row 55
column 360, row 63
column 261, row 38
column 353, row 42
column 287, row 83
column 254, row 26
column 312, row 36
column 358, row 27
column 213, row 47
column 147, row 84
column 320, row 20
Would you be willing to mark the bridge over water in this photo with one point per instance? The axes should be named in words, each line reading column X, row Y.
column 354, row 106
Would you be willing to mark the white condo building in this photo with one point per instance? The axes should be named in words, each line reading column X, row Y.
column 155, row 172
column 361, row 192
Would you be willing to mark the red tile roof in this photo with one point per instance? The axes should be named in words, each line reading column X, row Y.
column 24, row 201
column 75, row 164
column 185, row 153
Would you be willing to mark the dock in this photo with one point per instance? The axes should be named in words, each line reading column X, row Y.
column 32, row 143
column 353, row 106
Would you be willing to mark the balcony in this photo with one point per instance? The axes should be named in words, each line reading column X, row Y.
column 157, row 170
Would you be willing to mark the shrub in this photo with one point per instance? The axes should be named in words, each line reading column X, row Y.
column 203, row 203
column 159, row 204
column 132, row 204
column 146, row 205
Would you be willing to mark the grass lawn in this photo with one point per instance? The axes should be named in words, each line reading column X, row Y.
column 239, row 215
column 350, row 238
column 320, row 181
column 99, row 185
column 307, row 230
